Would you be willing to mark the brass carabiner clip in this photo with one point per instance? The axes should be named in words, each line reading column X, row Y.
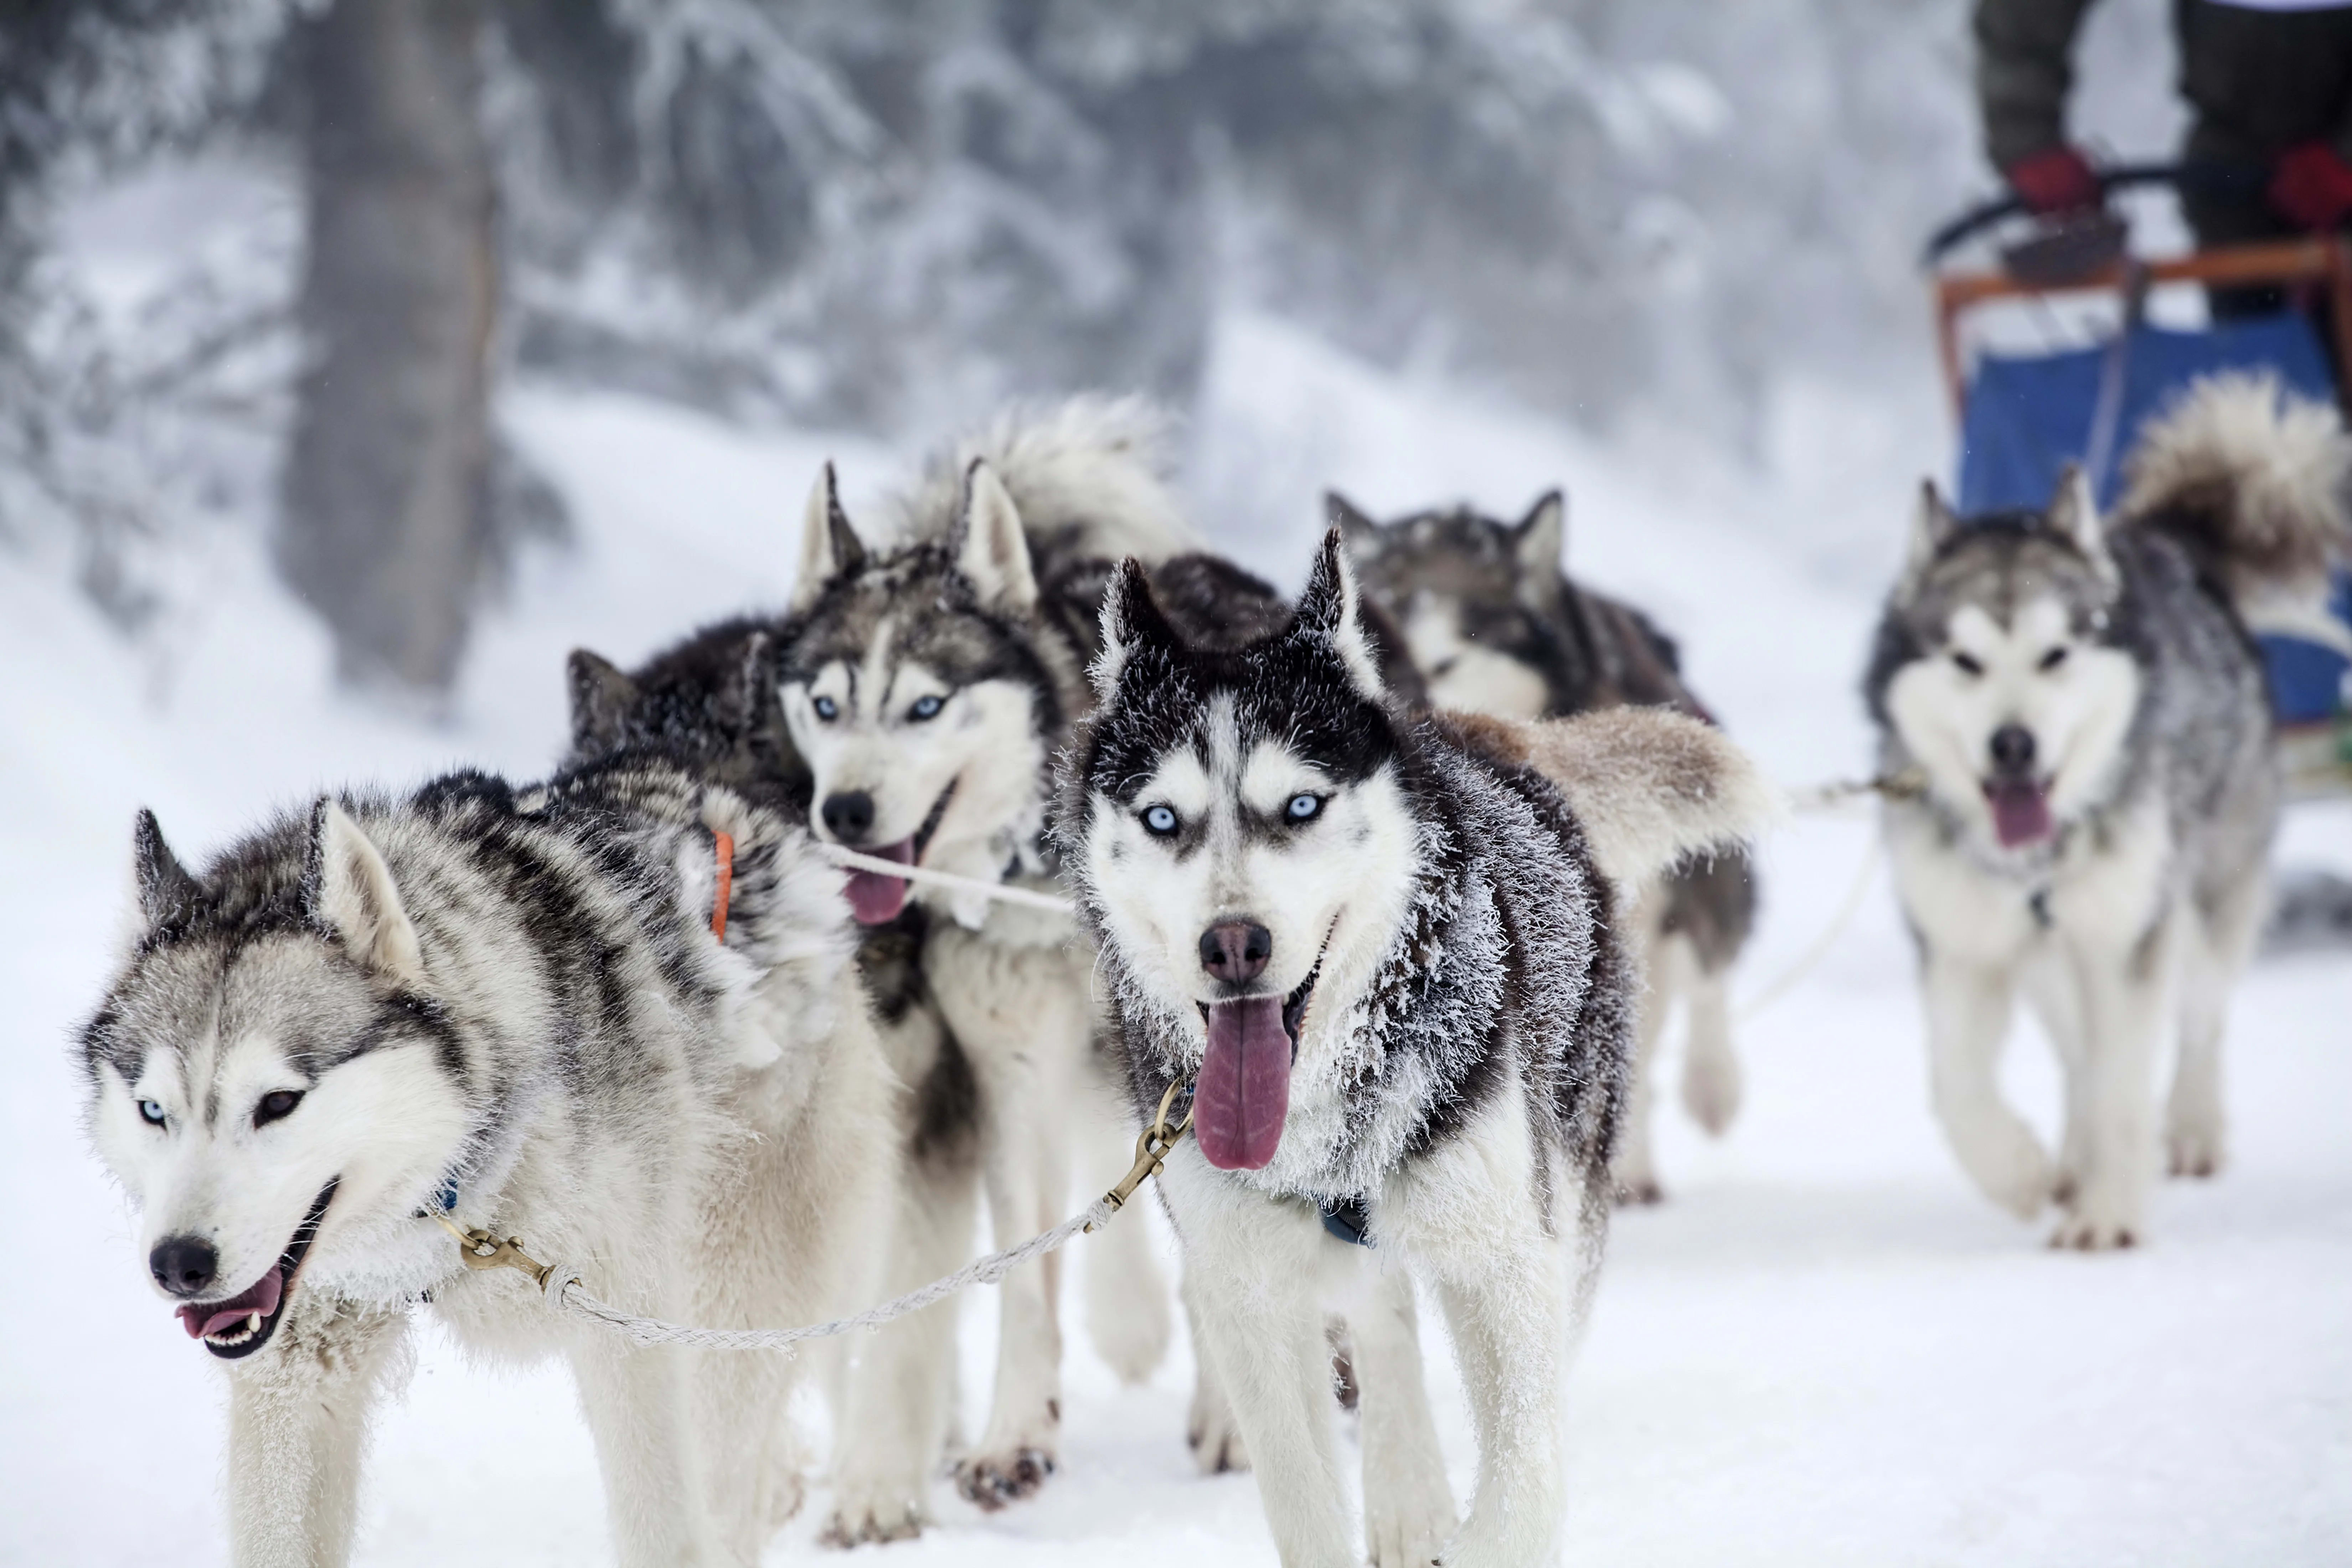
column 1152, row 1147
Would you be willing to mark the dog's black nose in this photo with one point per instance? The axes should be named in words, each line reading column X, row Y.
column 2012, row 749
column 183, row 1264
column 849, row 817
column 1237, row 951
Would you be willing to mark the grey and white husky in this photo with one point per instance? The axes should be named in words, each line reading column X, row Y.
column 2085, row 710
column 509, row 1007
column 1495, row 625
column 928, row 681
column 1385, row 952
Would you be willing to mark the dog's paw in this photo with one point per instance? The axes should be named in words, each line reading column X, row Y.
column 2193, row 1148
column 1401, row 1531
column 1134, row 1341
column 990, row 1481
column 1711, row 1089
column 2009, row 1166
column 1217, row 1442
column 2096, row 1228
column 876, row 1514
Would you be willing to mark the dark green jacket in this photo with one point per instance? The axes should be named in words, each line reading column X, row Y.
column 2260, row 81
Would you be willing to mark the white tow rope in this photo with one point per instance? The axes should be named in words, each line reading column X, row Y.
column 1003, row 892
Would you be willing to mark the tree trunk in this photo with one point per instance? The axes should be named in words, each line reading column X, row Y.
column 385, row 521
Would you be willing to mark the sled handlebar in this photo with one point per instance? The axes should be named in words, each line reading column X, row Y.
column 2224, row 178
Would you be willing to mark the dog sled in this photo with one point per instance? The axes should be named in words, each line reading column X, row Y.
column 2052, row 355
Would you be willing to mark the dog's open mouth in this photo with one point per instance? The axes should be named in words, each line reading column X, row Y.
column 2021, row 811
column 1242, row 1094
column 876, row 898
column 243, row 1325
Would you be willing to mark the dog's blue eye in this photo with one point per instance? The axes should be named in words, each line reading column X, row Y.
column 1303, row 806
column 1161, row 820
column 827, row 709
column 925, row 708
column 152, row 1111
column 1967, row 663
column 276, row 1104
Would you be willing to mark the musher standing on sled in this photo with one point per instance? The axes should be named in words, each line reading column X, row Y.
column 2270, row 83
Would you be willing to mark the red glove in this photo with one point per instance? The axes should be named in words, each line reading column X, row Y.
column 2312, row 186
column 2057, row 180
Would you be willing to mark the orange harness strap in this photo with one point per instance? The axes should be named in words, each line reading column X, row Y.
column 723, row 847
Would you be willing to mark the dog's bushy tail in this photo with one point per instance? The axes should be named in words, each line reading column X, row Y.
column 1094, row 464
column 1650, row 786
column 2251, row 480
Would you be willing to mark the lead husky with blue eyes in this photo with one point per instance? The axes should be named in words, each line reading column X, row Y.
column 2085, row 711
column 1384, row 952
column 511, row 1007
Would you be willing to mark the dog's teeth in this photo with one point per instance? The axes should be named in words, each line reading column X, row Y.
column 253, row 1324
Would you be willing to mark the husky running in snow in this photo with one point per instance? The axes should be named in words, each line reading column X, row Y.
column 928, row 683
column 510, row 1008
column 1495, row 626
column 1384, row 951
column 2085, row 709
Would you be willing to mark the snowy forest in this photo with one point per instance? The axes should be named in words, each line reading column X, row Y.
column 886, row 218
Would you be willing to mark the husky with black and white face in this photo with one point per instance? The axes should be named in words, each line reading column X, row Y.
column 509, row 1008
column 2082, row 716
column 1380, row 950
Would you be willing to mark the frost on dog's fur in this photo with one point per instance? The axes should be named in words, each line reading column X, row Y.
column 1436, row 932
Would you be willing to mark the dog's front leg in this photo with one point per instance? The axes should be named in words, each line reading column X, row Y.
column 2122, row 990
column 298, row 1418
column 1967, row 1004
column 1251, row 1269
column 1469, row 1213
column 636, row 1401
column 1635, row 1166
column 1408, row 1508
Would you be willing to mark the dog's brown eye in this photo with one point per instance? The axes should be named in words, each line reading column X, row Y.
column 2054, row 658
column 276, row 1105
column 1967, row 663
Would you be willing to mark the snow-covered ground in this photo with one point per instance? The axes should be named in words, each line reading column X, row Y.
column 1825, row 1349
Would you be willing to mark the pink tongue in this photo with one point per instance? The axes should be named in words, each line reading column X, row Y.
column 1244, row 1090
column 2020, row 813
column 262, row 1298
column 875, row 899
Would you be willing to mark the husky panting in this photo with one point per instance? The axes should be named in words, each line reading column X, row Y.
column 1381, row 951
column 1495, row 626
column 927, row 685
column 2085, row 711
column 514, row 1009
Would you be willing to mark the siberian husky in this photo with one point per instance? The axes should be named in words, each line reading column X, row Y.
column 2085, row 709
column 1383, row 951
column 1497, row 626
column 514, row 1009
column 928, row 681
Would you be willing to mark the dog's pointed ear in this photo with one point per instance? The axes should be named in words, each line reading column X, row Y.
column 347, row 892
column 1538, row 544
column 1132, row 620
column 829, row 546
column 1359, row 527
column 602, row 695
column 2074, row 516
column 165, row 886
column 1932, row 523
column 1331, row 611
column 991, row 549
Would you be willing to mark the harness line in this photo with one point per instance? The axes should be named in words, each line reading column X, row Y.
column 561, row 1282
column 851, row 860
